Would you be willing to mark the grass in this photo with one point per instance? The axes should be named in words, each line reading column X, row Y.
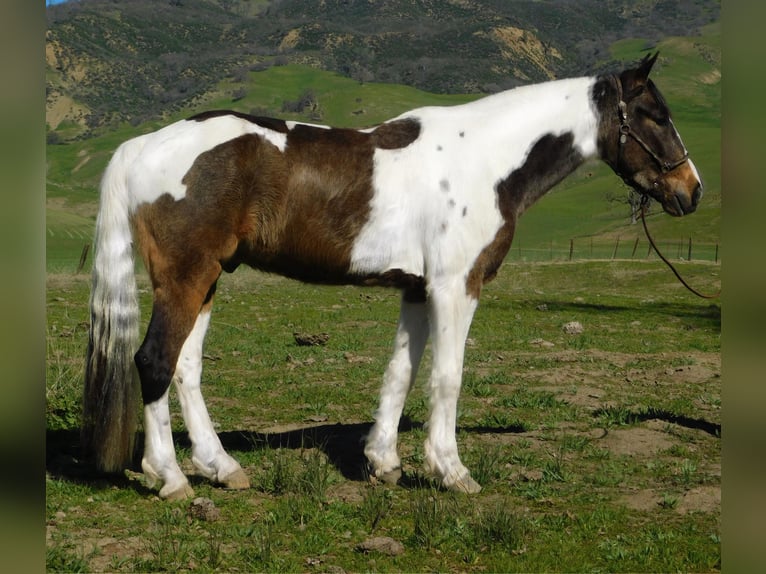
column 546, row 430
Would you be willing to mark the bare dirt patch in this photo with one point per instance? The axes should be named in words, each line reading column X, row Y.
column 636, row 442
column 700, row 499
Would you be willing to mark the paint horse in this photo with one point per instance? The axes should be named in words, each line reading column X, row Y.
column 426, row 202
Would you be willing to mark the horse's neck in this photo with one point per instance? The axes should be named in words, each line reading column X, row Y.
column 518, row 118
column 534, row 136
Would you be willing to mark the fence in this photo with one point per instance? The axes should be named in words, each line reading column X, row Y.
column 633, row 248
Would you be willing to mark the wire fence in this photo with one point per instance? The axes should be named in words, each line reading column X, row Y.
column 634, row 248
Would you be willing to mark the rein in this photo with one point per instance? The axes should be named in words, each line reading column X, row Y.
column 665, row 166
column 644, row 202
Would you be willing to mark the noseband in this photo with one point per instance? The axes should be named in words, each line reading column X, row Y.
column 626, row 131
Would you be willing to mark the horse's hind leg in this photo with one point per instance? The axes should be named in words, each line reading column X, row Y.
column 411, row 337
column 174, row 313
column 208, row 455
column 159, row 461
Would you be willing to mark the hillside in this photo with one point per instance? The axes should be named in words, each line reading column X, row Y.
column 585, row 207
column 113, row 61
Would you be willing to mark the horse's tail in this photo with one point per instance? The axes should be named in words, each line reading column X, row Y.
column 111, row 394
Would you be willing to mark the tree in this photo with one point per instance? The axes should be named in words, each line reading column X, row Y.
column 631, row 198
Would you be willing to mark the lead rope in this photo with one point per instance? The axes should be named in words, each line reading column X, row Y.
column 644, row 201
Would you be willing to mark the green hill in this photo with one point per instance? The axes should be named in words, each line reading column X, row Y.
column 688, row 73
column 112, row 61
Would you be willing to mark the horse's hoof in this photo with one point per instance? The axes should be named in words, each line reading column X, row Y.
column 237, row 480
column 466, row 484
column 391, row 477
column 180, row 493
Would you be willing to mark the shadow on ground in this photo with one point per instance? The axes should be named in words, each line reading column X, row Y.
column 343, row 443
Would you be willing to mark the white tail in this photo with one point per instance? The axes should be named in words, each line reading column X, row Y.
column 111, row 394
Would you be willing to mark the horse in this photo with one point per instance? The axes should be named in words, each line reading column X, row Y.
column 426, row 202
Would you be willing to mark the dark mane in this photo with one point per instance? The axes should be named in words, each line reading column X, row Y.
column 265, row 122
column 654, row 90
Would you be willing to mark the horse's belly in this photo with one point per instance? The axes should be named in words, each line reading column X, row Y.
column 382, row 248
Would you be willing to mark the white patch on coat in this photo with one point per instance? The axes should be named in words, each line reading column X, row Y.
column 435, row 205
column 157, row 162
column 208, row 455
column 689, row 161
column 291, row 125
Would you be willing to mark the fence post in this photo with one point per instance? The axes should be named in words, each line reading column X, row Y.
column 689, row 255
column 616, row 245
column 716, row 253
column 83, row 257
column 635, row 246
column 571, row 248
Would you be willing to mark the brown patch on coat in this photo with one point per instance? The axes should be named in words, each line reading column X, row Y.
column 183, row 281
column 273, row 124
column 306, row 212
column 488, row 262
column 296, row 213
column 397, row 134
column 550, row 159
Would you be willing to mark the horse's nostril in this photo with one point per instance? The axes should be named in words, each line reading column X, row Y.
column 697, row 195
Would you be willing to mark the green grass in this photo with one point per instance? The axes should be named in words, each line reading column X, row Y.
column 543, row 428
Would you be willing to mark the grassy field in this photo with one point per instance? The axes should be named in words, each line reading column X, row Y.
column 598, row 451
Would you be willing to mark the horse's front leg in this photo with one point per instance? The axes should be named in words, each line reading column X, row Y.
column 451, row 313
column 411, row 337
column 208, row 455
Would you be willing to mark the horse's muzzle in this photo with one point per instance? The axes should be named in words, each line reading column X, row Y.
column 680, row 190
column 682, row 202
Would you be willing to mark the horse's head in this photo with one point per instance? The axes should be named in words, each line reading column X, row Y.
column 641, row 144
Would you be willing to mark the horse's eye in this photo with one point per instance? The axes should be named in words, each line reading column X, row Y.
column 659, row 118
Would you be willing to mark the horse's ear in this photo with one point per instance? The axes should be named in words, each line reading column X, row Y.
column 645, row 66
column 634, row 80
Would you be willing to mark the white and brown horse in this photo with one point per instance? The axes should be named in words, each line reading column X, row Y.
column 426, row 202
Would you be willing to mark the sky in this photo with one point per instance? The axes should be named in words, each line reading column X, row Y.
column 50, row 2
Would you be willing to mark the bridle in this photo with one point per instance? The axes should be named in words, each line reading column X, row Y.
column 626, row 131
column 665, row 167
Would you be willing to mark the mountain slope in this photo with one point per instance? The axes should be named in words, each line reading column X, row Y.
column 111, row 61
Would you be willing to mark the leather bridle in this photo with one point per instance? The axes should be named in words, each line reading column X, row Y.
column 665, row 167
column 626, row 131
